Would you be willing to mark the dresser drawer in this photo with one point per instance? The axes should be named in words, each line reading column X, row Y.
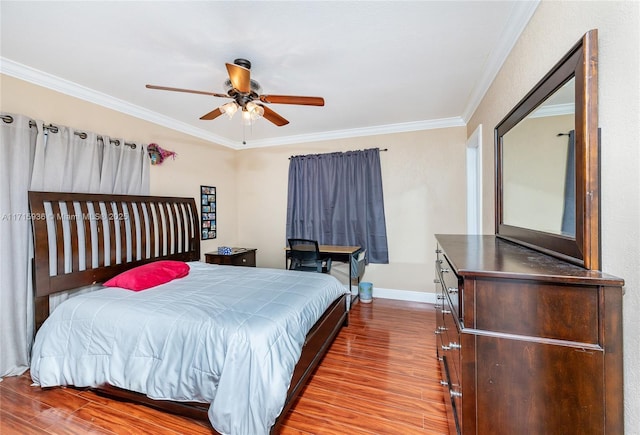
column 441, row 331
column 556, row 311
column 452, row 285
column 452, row 399
column 451, row 348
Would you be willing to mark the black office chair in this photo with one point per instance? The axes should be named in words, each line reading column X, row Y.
column 358, row 265
column 304, row 255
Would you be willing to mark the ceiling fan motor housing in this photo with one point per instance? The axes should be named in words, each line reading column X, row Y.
column 255, row 88
column 240, row 98
column 243, row 63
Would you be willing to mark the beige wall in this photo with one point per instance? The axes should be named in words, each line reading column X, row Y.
column 424, row 193
column 554, row 28
column 423, row 181
column 198, row 162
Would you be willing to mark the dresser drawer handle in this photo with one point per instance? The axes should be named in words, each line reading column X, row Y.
column 452, row 290
column 437, row 331
column 455, row 393
column 454, row 346
column 446, row 311
column 444, row 383
column 445, row 347
column 439, row 297
column 444, row 270
column 436, row 281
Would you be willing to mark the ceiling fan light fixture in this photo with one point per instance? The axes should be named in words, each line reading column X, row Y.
column 252, row 111
column 257, row 112
column 229, row 108
column 246, row 116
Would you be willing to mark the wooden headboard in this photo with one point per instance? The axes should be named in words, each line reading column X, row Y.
column 82, row 239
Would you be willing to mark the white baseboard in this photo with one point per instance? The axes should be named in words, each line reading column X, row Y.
column 400, row 295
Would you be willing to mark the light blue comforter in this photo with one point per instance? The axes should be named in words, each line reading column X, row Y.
column 225, row 335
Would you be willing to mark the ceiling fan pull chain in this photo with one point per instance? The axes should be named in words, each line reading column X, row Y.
column 244, row 142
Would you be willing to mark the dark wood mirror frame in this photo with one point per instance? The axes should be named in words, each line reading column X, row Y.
column 580, row 62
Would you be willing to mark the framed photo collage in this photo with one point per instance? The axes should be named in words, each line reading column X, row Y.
column 208, row 212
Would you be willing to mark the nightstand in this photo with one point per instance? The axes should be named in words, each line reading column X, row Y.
column 238, row 257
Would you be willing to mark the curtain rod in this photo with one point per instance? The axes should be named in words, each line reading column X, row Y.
column 54, row 129
column 381, row 150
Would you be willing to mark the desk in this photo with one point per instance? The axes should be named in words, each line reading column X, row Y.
column 338, row 253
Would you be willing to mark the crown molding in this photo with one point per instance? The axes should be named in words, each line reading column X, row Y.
column 554, row 110
column 67, row 87
column 359, row 132
column 49, row 81
column 520, row 16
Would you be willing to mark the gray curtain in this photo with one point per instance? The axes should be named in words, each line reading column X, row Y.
column 18, row 136
column 569, row 212
column 337, row 199
column 61, row 160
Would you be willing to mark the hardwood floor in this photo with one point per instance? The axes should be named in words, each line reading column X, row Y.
column 380, row 376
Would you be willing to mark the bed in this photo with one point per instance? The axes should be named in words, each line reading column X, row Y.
column 191, row 347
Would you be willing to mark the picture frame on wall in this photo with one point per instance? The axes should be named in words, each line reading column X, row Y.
column 208, row 212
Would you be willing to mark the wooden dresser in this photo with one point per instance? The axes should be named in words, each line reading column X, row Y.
column 528, row 344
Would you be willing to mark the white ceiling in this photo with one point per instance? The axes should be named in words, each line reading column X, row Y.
column 382, row 67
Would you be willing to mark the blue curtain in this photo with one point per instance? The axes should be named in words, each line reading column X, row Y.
column 569, row 213
column 337, row 199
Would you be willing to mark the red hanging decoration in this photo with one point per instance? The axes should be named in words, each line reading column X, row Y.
column 157, row 154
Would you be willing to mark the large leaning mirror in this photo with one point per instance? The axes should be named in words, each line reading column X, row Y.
column 547, row 162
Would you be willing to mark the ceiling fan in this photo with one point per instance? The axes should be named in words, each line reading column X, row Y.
column 246, row 96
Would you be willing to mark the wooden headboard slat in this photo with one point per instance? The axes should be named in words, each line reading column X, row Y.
column 192, row 221
column 120, row 219
column 142, row 214
column 169, row 222
column 111, row 224
column 74, row 227
column 88, row 239
column 59, row 236
column 100, row 234
column 133, row 207
column 174, row 224
column 181, row 227
column 155, row 228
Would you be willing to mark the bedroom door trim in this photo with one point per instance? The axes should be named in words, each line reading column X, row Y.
column 474, row 182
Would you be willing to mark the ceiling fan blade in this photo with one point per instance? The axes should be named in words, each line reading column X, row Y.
column 240, row 77
column 189, row 91
column 211, row 115
column 292, row 99
column 272, row 116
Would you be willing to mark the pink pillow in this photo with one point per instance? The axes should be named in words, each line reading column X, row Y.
column 149, row 275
